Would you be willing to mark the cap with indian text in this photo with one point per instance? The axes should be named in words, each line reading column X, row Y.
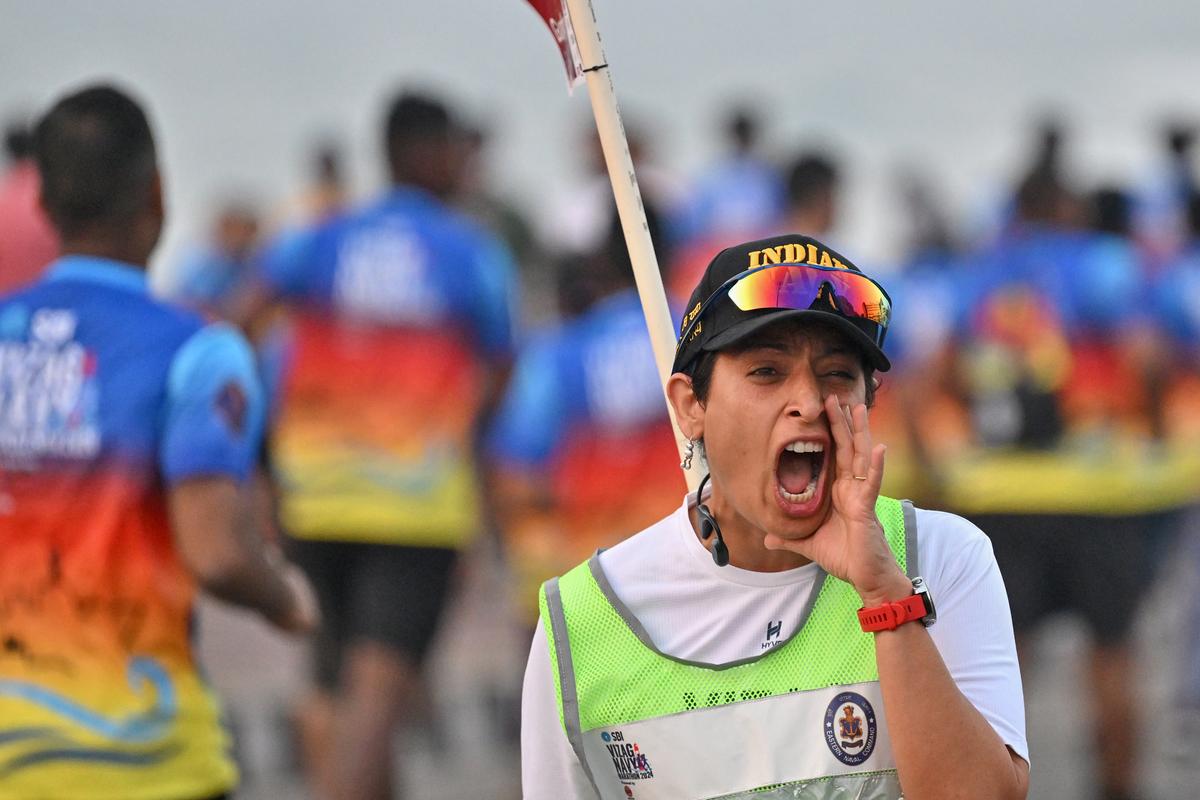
column 749, row 286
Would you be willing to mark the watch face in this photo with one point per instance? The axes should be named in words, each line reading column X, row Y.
column 920, row 588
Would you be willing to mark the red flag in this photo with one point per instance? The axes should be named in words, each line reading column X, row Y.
column 554, row 12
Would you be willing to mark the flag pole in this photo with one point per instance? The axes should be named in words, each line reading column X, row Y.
column 632, row 213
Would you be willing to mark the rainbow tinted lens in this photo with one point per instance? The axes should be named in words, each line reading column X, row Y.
column 805, row 287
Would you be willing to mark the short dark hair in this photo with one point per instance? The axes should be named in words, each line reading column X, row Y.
column 1112, row 211
column 742, row 127
column 414, row 116
column 97, row 159
column 810, row 175
column 1039, row 196
column 18, row 140
column 1180, row 136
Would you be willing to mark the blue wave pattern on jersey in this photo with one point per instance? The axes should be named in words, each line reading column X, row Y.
column 150, row 726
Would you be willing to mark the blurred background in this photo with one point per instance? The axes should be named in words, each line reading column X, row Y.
column 1021, row 177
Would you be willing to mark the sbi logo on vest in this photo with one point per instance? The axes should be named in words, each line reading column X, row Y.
column 629, row 761
column 850, row 728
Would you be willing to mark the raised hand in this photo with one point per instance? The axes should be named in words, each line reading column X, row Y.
column 850, row 543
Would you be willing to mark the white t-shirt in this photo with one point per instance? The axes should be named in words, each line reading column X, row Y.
column 694, row 610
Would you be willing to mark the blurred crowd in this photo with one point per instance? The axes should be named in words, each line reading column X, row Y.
column 1046, row 381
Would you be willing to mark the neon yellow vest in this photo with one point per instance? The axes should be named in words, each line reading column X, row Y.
column 803, row 720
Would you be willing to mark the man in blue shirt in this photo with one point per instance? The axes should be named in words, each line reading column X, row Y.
column 398, row 341
column 127, row 428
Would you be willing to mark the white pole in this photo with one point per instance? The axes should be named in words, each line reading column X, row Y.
column 629, row 206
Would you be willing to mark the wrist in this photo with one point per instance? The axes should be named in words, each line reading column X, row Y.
column 282, row 606
column 302, row 614
column 895, row 588
column 890, row 614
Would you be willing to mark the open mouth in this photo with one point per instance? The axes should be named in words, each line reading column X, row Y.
column 799, row 471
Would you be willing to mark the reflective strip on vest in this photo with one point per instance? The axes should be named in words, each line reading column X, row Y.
column 775, row 740
column 825, row 739
column 868, row 786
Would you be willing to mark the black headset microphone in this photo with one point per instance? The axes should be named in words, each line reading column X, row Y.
column 709, row 526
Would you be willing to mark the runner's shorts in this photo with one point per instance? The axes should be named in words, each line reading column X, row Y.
column 386, row 594
column 1096, row 567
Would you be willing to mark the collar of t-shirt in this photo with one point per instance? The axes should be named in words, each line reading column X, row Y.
column 698, row 552
column 691, row 608
column 116, row 274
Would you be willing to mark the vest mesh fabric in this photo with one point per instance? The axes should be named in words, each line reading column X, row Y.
column 620, row 680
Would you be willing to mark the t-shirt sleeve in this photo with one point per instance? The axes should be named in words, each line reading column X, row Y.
column 494, row 296
column 530, row 420
column 214, row 409
column 549, row 768
column 974, row 632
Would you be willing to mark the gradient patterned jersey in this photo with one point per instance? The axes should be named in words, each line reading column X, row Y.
column 107, row 398
column 398, row 312
column 584, row 443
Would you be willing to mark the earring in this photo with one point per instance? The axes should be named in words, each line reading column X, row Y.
column 687, row 454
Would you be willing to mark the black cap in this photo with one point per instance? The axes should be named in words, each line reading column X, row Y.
column 724, row 323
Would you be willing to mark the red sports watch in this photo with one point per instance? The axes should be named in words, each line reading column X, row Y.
column 890, row 616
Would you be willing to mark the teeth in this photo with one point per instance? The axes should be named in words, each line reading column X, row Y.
column 810, row 490
column 804, row 496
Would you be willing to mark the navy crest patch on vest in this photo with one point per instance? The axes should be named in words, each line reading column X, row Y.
column 850, row 728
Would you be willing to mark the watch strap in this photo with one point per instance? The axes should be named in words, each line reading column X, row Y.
column 890, row 616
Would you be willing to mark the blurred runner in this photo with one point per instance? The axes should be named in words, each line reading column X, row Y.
column 1065, row 480
column 742, row 189
column 211, row 278
column 813, row 182
column 1162, row 212
column 1176, row 301
column 584, row 451
column 1176, row 307
column 810, row 207
column 325, row 191
column 127, row 430
column 400, row 343
column 328, row 190
column 929, row 237
column 27, row 241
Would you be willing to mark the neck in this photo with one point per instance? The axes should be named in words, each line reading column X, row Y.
column 745, row 541
column 107, row 247
column 810, row 221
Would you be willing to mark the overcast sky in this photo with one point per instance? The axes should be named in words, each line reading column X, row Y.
column 239, row 88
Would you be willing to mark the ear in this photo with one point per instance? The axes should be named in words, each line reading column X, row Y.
column 42, row 206
column 154, row 213
column 689, row 412
column 157, row 204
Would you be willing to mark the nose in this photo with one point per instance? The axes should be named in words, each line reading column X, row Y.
column 804, row 400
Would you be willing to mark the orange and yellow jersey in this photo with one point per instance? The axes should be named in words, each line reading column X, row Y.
column 398, row 314
column 107, row 398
